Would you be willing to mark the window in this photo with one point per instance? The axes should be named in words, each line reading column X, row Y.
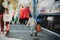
column 57, row 0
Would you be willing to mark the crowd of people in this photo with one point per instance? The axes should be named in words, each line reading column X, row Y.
column 24, row 13
column 25, row 17
column 1, row 17
column 7, row 9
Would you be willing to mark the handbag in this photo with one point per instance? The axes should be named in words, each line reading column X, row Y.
column 38, row 28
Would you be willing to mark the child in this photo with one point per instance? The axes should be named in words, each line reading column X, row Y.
column 32, row 23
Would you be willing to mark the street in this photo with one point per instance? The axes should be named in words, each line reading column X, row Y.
column 21, row 32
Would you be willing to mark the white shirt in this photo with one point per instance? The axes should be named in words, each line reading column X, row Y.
column 10, row 8
column 31, row 22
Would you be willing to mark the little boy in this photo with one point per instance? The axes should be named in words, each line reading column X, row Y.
column 32, row 23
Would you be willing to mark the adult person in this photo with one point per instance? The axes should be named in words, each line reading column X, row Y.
column 26, row 14
column 2, row 10
column 6, row 17
column 11, row 11
column 21, row 18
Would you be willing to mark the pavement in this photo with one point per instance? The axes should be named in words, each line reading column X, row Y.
column 21, row 32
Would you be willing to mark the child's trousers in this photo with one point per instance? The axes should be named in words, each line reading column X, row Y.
column 32, row 28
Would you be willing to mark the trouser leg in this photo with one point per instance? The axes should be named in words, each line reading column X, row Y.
column 20, row 21
column 2, row 24
column 7, row 26
column 33, row 31
column 25, row 20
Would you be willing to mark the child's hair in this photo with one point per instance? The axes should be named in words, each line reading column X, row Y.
column 30, row 15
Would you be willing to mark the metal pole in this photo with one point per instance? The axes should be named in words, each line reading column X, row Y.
column 34, row 8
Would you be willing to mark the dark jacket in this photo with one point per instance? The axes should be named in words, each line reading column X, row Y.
column 2, row 9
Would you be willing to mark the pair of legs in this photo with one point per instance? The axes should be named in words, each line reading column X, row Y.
column 15, row 20
column 7, row 27
column 21, row 20
column 33, row 31
column 25, row 20
column 1, row 23
column 12, row 20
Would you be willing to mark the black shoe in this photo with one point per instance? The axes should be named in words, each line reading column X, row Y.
column 7, row 33
column 31, row 35
column 10, row 22
column 36, row 34
column 15, row 22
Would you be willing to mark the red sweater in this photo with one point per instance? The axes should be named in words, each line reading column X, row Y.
column 22, row 13
column 26, row 12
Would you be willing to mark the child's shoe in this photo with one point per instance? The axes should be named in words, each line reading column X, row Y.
column 31, row 35
column 35, row 33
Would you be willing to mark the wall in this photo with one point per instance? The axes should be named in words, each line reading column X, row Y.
column 45, row 3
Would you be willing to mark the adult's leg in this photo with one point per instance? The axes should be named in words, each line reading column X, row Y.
column 20, row 20
column 2, row 24
column 12, row 20
column 23, row 20
column 26, row 20
column 7, row 27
